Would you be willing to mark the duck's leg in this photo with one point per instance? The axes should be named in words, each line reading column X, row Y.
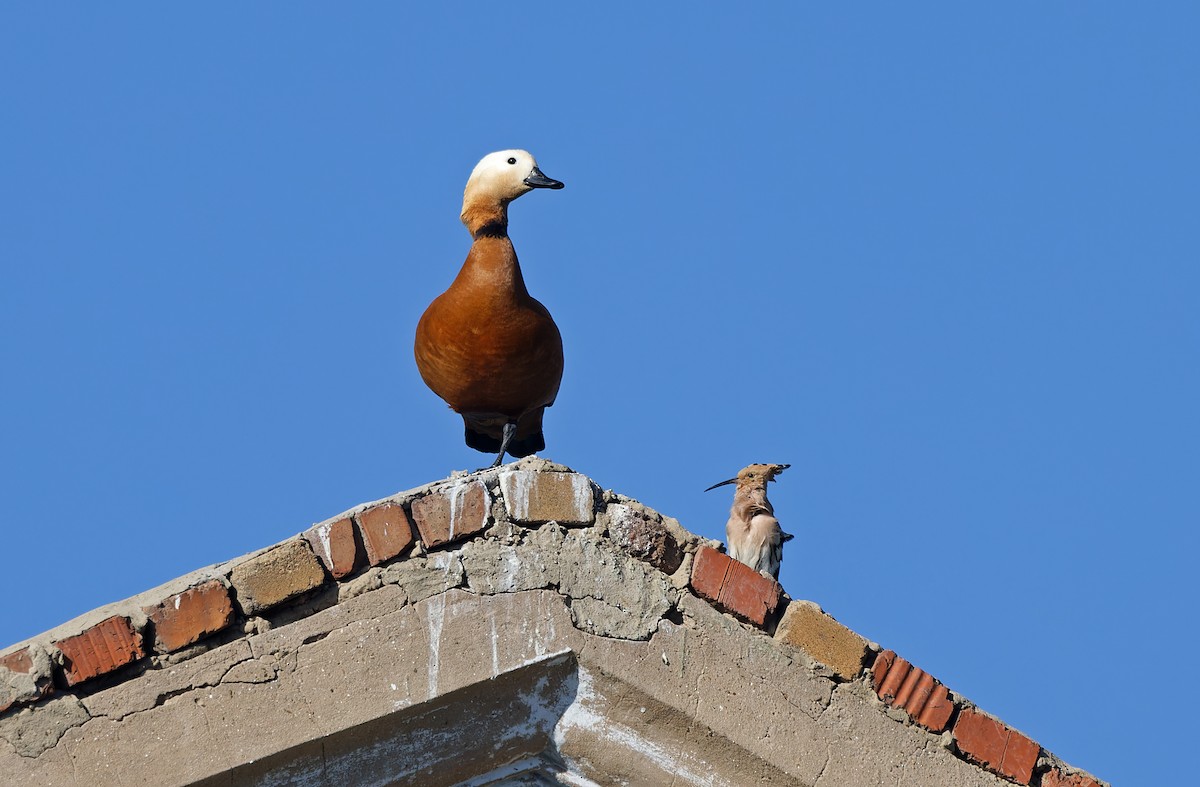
column 510, row 429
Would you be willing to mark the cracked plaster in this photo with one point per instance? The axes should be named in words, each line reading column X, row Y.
column 668, row 672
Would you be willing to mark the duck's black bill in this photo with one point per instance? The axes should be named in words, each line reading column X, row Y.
column 538, row 180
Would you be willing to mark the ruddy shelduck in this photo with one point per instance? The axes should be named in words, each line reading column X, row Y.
column 752, row 533
column 485, row 345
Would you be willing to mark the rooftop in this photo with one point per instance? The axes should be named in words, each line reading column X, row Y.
column 513, row 626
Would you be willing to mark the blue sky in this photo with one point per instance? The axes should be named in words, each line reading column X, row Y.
column 942, row 258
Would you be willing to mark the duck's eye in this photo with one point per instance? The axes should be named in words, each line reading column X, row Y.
column 512, row 161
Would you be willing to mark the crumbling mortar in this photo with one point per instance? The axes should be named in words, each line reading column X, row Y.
column 251, row 644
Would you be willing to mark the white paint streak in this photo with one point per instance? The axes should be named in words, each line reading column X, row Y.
column 456, row 493
column 517, row 486
column 512, row 564
column 495, row 648
column 435, row 618
column 536, row 659
column 177, row 599
column 323, row 534
column 541, row 640
column 582, row 495
column 583, row 715
column 527, row 765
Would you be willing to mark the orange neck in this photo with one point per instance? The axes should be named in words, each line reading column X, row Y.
column 486, row 218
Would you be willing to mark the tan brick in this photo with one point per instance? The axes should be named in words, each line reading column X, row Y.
column 337, row 545
column 277, row 575
column 107, row 646
column 533, row 497
column 452, row 513
column 183, row 618
column 386, row 532
column 805, row 626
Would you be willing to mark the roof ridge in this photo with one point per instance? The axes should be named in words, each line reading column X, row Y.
column 533, row 500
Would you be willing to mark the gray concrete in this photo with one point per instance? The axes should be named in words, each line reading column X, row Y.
column 527, row 654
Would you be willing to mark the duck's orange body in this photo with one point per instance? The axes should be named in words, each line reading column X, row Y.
column 485, row 346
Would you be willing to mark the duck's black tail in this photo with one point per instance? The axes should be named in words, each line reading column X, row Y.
column 485, row 433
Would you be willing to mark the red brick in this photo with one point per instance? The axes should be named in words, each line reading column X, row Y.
column 995, row 745
column 184, row 618
column 708, row 573
column 902, row 685
column 1020, row 757
column 938, row 708
column 735, row 588
column 109, row 645
column 338, row 547
column 1056, row 778
column 880, row 668
column 386, row 531
column 452, row 513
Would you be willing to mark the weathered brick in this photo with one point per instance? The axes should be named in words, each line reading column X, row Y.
column 183, row 618
column 533, row 497
column 995, row 745
column 644, row 537
column 452, row 513
column 1057, row 778
column 28, row 677
column 709, row 568
column 902, row 685
column 18, row 661
column 109, row 645
column 386, row 531
column 735, row 588
column 337, row 545
column 277, row 575
column 807, row 627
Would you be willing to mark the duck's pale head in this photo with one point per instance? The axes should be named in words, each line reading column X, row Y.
column 501, row 177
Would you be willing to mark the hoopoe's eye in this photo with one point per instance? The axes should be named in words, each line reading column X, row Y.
column 512, row 160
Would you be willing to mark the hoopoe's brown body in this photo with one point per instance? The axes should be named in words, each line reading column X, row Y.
column 753, row 535
column 485, row 346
